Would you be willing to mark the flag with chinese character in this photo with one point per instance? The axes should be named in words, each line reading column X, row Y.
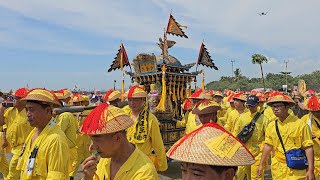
column 174, row 28
column 205, row 58
column 121, row 60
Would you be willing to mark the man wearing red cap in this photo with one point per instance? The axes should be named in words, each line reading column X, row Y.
column 17, row 129
column 193, row 121
column 145, row 132
column 114, row 157
column 112, row 97
column 312, row 104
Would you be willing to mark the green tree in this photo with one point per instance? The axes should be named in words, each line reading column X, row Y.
column 237, row 74
column 259, row 59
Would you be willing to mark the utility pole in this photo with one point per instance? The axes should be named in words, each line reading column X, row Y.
column 232, row 61
column 286, row 74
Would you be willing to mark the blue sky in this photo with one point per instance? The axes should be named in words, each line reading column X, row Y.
column 60, row 44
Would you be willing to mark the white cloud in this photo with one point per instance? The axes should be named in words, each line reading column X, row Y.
column 288, row 31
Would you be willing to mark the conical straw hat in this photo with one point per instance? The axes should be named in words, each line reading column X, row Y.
column 211, row 145
column 105, row 119
column 42, row 95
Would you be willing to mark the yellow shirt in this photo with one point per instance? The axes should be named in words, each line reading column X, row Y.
column 233, row 117
column 51, row 160
column 316, row 131
column 184, row 120
column 270, row 115
column 137, row 167
column 254, row 143
column 193, row 123
column 294, row 132
column 18, row 128
column 153, row 140
column 69, row 125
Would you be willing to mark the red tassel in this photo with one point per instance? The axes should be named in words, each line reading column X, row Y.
column 22, row 92
column 106, row 96
column 95, row 121
column 131, row 91
column 313, row 103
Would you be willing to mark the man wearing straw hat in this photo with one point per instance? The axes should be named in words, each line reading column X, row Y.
column 112, row 97
column 207, row 110
column 239, row 104
column 286, row 133
column 16, row 130
column 258, row 124
column 210, row 152
column 145, row 132
column 312, row 104
column 69, row 125
column 106, row 125
column 193, row 121
column 44, row 153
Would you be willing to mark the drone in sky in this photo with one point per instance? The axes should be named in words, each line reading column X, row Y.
column 263, row 13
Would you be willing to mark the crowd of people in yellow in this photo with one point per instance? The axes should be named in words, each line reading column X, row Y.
column 227, row 135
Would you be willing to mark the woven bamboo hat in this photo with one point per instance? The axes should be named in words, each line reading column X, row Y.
column 136, row 92
column 200, row 94
column 59, row 95
column 77, row 98
column 42, row 95
column 280, row 97
column 206, row 107
column 261, row 97
column 240, row 96
column 21, row 93
column 112, row 95
column 65, row 93
column 211, row 145
column 85, row 98
column 312, row 103
column 105, row 119
column 218, row 93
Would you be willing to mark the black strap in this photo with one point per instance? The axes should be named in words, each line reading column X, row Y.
column 317, row 123
column 278, row 133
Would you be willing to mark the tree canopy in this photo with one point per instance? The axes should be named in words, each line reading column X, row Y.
column 274, row 81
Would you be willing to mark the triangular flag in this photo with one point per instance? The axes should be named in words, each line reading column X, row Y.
column 205, row 58
column 120, row 57
column 174, row 28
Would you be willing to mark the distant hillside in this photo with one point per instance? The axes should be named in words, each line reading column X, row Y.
column 274, row 81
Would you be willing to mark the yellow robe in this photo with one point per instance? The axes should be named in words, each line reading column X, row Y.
column 295, row 134
column 316, row 146
column 17, row 131
column 51, row 160
column 254, row 143
column 153, row 141
column 193, row 123
column 137, row 167
column 233, row 117
column 69, row 125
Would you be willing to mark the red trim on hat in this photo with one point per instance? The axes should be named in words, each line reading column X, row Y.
column 131, row 91
column 193, row 133
column 106, row 96
column 196, row 94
